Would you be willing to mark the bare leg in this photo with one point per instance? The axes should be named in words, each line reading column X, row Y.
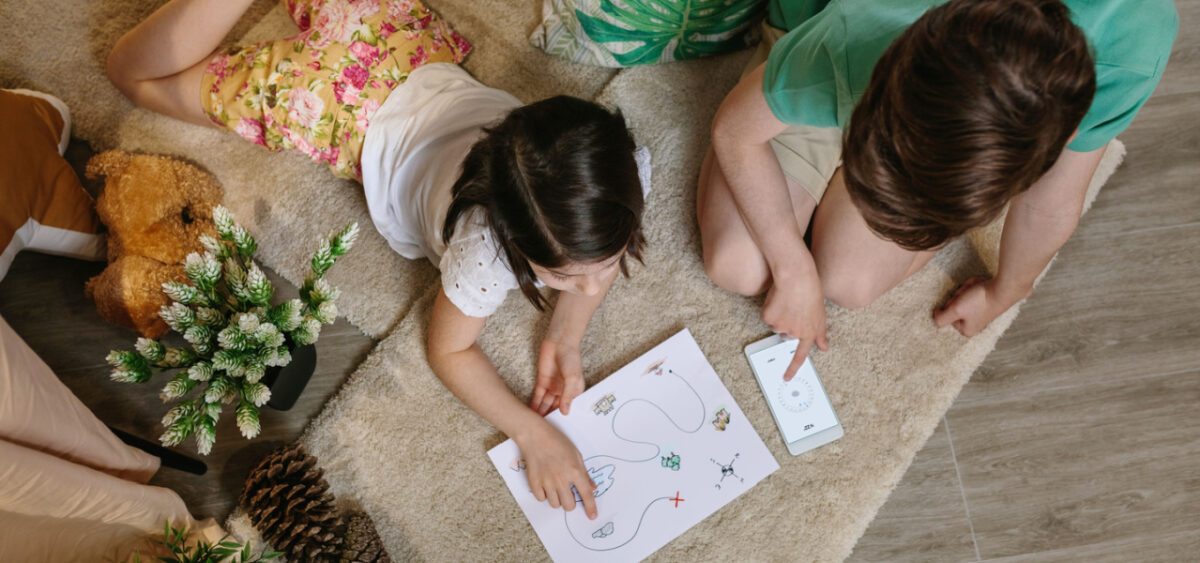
column 159, row 64
column 856, row 265
column 731, row 257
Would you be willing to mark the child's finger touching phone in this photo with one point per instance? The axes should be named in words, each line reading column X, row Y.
column 802, row 348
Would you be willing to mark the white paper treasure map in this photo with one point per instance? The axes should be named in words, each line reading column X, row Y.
column 665, row 444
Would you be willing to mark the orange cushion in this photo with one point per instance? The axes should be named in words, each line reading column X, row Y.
column 46, row 208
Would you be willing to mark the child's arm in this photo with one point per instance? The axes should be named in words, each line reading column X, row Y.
column 741, row 134
column 1039, row 222
column 553, row 465
column 560, row 366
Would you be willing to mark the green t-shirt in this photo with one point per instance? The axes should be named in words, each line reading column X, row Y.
column 819, row 69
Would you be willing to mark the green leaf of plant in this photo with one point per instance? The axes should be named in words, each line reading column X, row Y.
column 696, row 27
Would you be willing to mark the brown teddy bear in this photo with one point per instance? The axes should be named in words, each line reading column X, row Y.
column 155, row 208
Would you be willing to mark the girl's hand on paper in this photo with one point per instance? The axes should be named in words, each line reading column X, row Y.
column 554, row 467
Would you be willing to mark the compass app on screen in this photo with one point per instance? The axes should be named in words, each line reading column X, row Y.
column 800, row 406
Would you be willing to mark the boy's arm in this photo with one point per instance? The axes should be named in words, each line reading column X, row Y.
column 1039, row 222
column 741, row 134
column 560, row 366
column 553, row 464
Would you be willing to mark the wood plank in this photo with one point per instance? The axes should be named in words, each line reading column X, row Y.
column 1110, row 309
column 1155, row 186
column 924, row 519
column 1182, row 74
column 1082, row 465
column 1144, row 549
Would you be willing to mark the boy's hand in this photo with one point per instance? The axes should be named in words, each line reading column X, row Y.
column 796, row 308
column 974, row 305
column 559, row 377
column 553, row 467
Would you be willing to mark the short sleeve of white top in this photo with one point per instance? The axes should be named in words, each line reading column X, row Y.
column 412, row 156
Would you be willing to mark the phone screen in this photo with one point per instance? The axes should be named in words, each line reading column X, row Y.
column 800, row 405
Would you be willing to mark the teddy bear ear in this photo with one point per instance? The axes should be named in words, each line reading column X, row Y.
column 108, row 163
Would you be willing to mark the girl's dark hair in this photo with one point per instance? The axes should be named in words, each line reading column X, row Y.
column 559, row 185
column 966, row 109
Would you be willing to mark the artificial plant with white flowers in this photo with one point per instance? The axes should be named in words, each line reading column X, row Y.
column 232, row 330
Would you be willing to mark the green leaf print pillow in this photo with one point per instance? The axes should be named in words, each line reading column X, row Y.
column 617, row 33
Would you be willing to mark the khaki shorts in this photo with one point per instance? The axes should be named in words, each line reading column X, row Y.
column 808, row 155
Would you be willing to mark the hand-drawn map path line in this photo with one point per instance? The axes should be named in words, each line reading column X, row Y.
column 658, row 450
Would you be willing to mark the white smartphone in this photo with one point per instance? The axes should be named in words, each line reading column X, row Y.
column 800, row 406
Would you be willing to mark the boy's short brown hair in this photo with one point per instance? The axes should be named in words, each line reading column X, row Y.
column 966, row 109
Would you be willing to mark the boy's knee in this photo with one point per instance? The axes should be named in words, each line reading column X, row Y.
column 732, row 271
column 848, row 287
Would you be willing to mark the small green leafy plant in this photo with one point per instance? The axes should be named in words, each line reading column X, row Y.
column 175, row 540
column 232, row 330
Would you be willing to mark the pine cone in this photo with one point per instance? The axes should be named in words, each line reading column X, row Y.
column 289, row 502
column 362, row 543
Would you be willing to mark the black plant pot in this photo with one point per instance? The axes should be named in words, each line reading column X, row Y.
column 287, row 382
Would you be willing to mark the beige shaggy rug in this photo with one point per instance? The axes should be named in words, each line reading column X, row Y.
column 395, row 442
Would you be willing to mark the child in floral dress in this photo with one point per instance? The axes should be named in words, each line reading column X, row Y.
column 317, row 91
column 498, row 195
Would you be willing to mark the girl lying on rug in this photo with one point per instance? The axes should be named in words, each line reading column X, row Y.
column 551, row 195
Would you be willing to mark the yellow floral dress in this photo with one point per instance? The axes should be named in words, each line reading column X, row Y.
column 317, row 91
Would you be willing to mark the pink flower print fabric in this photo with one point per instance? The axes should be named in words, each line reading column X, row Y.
column 316, row 92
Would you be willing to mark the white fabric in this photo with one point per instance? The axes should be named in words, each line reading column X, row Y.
column 414, row 149
column 69, row 489
column 52, row 240
column 475, row 274
column 52, row 510
column 37, row 411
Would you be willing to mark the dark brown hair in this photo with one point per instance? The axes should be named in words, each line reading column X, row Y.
column 966, row 109
column 559, row 186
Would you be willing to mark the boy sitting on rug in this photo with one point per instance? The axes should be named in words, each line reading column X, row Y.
column 950, row 112
column 550, row 195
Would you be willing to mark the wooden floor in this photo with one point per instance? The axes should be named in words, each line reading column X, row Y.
column 1077, row 440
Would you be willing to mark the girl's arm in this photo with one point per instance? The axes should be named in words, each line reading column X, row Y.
column 560, row 366
column 553, row 465
column 1039, row 222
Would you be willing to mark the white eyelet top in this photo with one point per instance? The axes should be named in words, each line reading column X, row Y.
column 412, row 155
column 475, row 273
